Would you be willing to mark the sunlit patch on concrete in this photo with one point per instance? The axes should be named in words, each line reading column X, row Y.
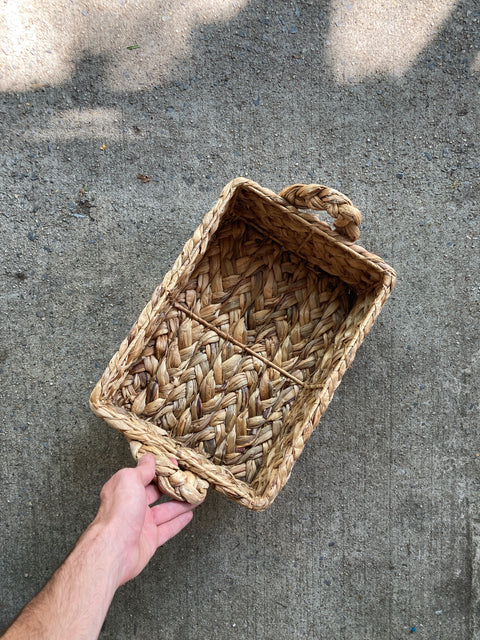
column 367, row 37
column 95, row 125
column 41, row 42
column 32, row 51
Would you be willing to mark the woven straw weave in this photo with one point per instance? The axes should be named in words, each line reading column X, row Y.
column 231, row 364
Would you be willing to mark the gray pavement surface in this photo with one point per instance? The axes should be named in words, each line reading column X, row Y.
column 377, row 531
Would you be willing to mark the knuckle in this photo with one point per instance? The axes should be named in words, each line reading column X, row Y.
column 125, row 475
column 120, row 477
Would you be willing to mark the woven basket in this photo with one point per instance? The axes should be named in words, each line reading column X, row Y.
column 235, row 358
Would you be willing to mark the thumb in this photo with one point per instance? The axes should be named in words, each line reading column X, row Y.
column 146, row 468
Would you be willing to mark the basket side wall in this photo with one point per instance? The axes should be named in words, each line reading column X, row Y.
column 310, row 238
column 301, row 423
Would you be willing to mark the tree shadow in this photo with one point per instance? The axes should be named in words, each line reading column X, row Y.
column 248, row 81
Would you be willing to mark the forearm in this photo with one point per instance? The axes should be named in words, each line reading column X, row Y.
column 74, row 602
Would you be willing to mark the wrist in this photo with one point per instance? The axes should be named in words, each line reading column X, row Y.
column 100, row 542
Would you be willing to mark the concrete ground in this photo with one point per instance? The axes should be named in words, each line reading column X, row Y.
column 376, row 534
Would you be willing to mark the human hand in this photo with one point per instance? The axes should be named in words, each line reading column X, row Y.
column 116, row 546
column 135, row 529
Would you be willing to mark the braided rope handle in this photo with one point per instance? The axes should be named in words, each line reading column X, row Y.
column 172, row 481
column 177, row 483
column 316, row 196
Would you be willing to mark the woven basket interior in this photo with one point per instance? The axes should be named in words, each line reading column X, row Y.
column 213, row 395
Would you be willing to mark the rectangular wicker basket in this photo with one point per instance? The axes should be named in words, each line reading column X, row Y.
column 231, row 364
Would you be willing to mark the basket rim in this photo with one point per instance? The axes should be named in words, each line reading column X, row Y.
column 256, row 495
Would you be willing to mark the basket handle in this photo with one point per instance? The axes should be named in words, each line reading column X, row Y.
column 171, row 480
column 317, row 196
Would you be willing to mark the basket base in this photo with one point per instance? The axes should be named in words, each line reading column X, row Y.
column 225, row 364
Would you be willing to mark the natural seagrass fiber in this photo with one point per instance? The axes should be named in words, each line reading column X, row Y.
column 235, row 358
column 225, row 391
column 347, row 218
